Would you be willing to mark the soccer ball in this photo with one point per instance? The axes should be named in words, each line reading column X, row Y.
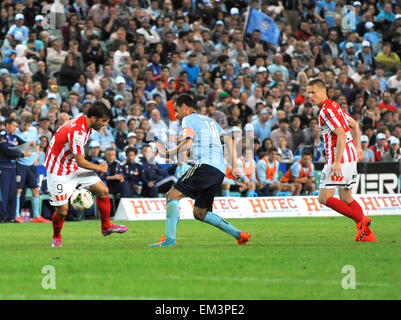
column 81, row 199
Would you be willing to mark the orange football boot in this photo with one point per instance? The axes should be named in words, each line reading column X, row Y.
column 245, row 236
column 361, row 227
column 369, row 238
column 40, row 219
column 19, row 220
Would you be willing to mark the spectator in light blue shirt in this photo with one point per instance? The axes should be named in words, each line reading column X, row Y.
column 192, row 69
column 18, row 31
column 278, row 66
column 104, row 137
column 26, row 168
column 386, row 14
column 328, row 7
column 369, row 155
column 261, row 126
column 371, row 35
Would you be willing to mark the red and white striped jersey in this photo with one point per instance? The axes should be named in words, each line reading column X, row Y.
column 69, row 139
column 332, row 116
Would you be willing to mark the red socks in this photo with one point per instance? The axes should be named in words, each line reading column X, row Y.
column 353, row 210
column 57, row 226
column 104, row 207
column 354, row 205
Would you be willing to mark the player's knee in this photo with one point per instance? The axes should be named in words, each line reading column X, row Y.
column 199, row 214
column 103, row 192
column 170, row 195
column 62, row 211
column 322, row 199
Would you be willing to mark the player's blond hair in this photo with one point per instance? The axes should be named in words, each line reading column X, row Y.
column 317, row 82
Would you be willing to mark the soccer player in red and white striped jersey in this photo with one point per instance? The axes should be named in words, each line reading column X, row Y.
column 341, row 137
column 67, row 168
column 67, row 141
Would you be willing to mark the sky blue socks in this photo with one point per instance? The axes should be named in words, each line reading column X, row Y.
column 172, row 218
column 17, row 207
column 223, row 225
column 35, row 206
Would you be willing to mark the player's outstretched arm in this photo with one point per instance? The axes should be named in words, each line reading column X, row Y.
column 85, row 164
column 184, row 144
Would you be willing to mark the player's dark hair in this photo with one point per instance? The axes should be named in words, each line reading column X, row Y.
column 272, row 150
column 131, row 149
column 99, row 110
column 187, row 99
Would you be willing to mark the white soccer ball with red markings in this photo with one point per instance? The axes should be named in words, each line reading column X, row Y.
column 82, row 199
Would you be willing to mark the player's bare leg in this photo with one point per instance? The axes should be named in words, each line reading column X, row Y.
column 104, row 207
column 326, row 197
column 324, row 194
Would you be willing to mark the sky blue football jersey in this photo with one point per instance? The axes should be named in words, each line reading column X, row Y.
column 205, row 133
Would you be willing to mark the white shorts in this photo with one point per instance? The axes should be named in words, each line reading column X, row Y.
column 62, row 187
column 347, row 180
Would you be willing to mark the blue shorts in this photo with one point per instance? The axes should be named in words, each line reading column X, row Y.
column 201, row 183
column 27, row 177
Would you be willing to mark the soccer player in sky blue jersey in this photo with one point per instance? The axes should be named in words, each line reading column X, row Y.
column 202, row 182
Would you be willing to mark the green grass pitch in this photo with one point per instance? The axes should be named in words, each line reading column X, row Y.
column 286, row 258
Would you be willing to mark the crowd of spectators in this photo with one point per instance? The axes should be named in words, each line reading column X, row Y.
column 136, row 56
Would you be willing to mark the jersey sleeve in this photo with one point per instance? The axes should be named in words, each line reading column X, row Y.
column 77, row 142
column 188, row 131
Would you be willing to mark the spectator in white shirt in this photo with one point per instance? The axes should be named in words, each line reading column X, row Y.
column 394, row 82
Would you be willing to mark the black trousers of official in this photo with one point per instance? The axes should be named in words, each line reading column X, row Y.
column 8, row 185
